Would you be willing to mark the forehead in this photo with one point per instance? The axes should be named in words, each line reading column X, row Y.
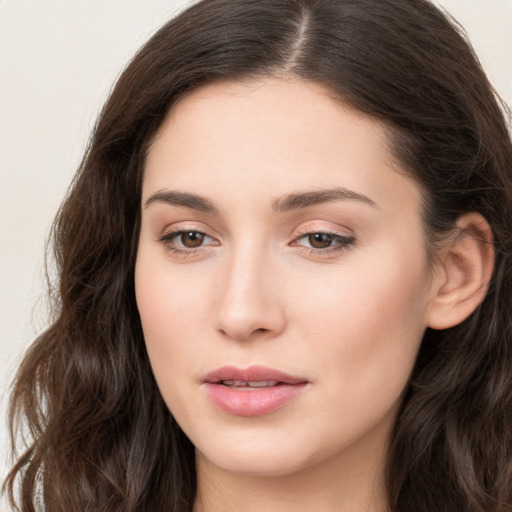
column 304, row 113
column 271, row 137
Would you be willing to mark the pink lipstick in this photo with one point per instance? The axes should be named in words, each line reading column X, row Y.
column 251, row 391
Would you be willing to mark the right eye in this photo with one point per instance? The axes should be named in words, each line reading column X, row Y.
column 186, row 241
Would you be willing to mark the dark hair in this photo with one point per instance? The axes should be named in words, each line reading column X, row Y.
column 100, row 437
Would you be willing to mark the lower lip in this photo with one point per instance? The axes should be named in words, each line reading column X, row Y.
column 252, row 401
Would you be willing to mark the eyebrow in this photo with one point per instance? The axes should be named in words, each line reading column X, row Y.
column 176, row 198
column 305, row 199
column 290, row 202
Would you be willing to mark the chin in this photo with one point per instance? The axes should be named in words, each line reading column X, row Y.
column 260, row 461
column 260, row 452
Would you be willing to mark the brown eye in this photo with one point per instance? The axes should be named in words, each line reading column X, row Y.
column 192, row 239
column 184, row 242
column 320, row 240
column 324, row 243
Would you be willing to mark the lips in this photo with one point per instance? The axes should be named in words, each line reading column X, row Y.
column 252, row 391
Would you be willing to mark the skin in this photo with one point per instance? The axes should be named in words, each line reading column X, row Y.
column 349, row 321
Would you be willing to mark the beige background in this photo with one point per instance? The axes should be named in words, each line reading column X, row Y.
column 58, row 60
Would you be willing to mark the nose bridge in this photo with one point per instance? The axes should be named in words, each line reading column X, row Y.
column 249, row 302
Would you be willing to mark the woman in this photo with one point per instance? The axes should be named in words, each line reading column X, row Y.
column 285, row 272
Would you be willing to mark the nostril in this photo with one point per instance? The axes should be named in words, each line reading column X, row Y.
column 247, row 335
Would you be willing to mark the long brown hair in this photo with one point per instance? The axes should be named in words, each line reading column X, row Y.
column 98, row 434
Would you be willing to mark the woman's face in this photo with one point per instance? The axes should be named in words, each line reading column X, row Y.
column 281, row 277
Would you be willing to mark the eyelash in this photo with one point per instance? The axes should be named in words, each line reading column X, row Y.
column 339, row 242
column 168, row 237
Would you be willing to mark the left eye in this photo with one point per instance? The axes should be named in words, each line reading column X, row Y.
column 321, row 240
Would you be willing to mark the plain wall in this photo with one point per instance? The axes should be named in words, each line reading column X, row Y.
column 58, row 60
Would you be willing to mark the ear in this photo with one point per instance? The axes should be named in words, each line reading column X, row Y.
column 463, row 272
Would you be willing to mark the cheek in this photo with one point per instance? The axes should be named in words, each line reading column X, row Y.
column 170, row 323
column 380, row 290
column 165, row 293
column 168, row 310
column 368, row 320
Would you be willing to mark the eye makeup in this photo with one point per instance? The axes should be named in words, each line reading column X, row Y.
column 188, row 241
column 323, row 242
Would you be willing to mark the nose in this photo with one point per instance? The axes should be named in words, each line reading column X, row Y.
column 249, row 304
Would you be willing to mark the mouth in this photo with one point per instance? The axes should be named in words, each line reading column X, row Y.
column 254, row 376
column 252, row 391
column 254, row 384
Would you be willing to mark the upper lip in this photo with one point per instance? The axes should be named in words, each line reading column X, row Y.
column 251, row 374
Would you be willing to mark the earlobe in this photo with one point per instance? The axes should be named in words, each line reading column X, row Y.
column 465, row 268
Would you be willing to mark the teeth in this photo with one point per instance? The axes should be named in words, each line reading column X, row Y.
column 250, row 384
column 233, row 383
column 262, row 383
